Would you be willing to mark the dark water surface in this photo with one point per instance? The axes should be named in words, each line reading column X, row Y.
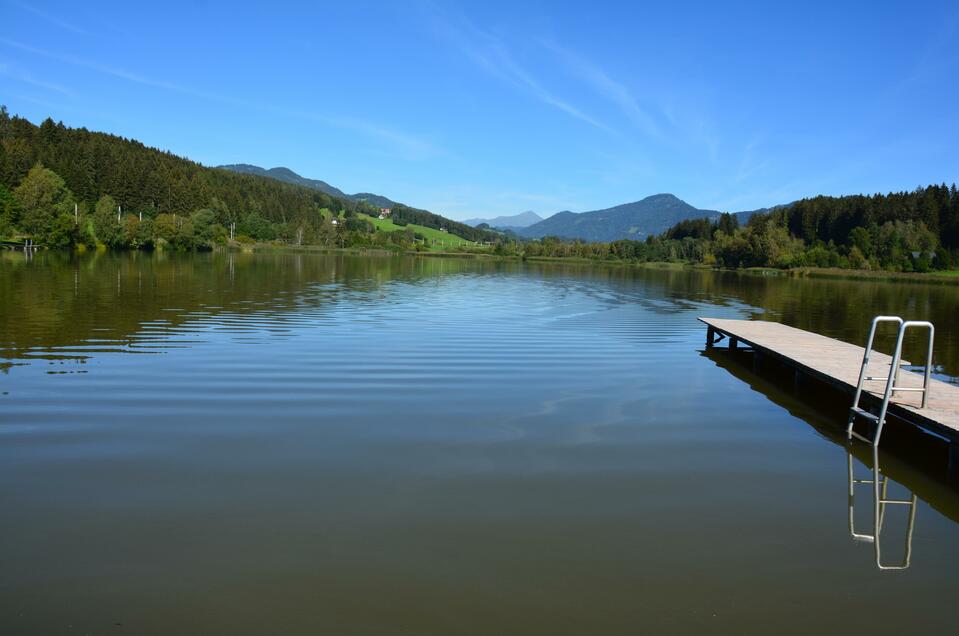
column 317, row 444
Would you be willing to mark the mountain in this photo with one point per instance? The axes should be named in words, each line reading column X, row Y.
column 523, row 219
column 402, row 214
column 375, row 200
column 744, row 216
column 637, row 220
column 287, row 175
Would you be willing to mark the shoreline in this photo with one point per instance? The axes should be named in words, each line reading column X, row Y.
column 948, row 277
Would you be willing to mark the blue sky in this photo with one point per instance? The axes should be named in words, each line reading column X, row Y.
column 493, row 108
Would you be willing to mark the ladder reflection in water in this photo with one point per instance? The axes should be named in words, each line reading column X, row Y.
column 880, row 499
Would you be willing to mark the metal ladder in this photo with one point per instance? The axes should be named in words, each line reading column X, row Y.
column 880, row 498
column 892, row 380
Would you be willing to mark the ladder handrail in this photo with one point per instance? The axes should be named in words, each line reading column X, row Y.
column 892, row 382
column 894, row 372
column 865, row 358
column 928, row 370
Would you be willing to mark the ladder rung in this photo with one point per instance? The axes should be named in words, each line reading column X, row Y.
column 906, row 502
column 860, row 437
column 903, row 388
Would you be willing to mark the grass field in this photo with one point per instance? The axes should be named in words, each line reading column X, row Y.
column 437, row 240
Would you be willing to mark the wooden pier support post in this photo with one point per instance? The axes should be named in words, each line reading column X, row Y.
column 733, row 343
column 710, row 332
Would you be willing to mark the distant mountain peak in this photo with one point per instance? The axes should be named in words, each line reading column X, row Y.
column 637, row 220
column 523, row 219
column 282, row 173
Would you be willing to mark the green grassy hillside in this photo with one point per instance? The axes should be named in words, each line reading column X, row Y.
column 436, row 239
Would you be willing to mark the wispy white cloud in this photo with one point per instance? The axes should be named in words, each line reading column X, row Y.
column 107, row 70
column 52, row 19
column 749, row 164
column 937, row 55
column 409, row 146
column 606, row 87
column 491, row 54
column 50, row 106
column 692, row 128
column 9, row 70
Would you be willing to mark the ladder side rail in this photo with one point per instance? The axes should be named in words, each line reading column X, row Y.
column 851, row 500
column 909, row 529
column 853, row 482
column 876, row 510
column 879, row 490
column 865, row 364
column 928, row 370
column 865, row 357
column 893, row 370
column 928, row 373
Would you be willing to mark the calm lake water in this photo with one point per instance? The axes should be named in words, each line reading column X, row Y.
column 329, row 444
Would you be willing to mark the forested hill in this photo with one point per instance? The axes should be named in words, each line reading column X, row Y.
column 401, row 214
column 80, row 179
column 144, row 179
column 287, row 175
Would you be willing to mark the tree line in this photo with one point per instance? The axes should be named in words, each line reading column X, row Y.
column 915, row 231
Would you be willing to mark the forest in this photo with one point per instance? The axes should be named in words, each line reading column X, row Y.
column 64, row 186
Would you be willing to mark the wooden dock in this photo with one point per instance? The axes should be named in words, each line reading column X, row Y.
column 837, row 363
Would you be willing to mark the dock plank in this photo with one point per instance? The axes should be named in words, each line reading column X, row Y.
column 837, row 363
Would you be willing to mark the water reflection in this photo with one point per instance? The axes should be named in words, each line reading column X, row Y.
column 879, row 487
column 62, row 299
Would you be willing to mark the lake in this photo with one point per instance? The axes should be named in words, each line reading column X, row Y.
column 324, row 443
